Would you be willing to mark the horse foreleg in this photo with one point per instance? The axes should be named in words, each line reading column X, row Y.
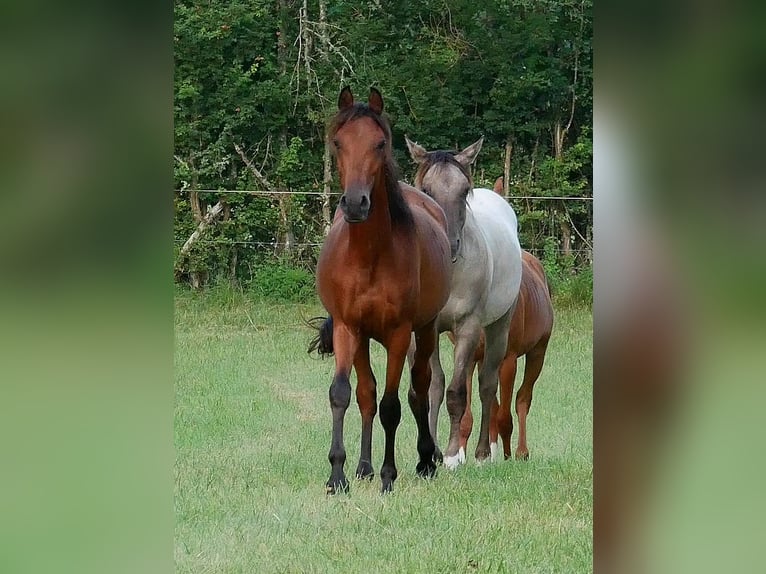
column 390, row 406
column 496, row 335
column 534, row 365
column 418, row 397
column 435, row 397
column 345, row 344
column 466, row 339
column 368, row 406
column 504, row 419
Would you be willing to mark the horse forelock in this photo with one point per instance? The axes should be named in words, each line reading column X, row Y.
column 442, row 159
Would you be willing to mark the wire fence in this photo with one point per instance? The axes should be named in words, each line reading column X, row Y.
column 237, row 252
column 338, row 193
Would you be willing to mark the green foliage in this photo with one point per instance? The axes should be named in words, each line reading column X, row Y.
column 449, row 73
column 280, row 282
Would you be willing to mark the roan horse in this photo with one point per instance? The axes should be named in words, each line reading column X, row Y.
column 529, row 334
column 383, row 272
column 486, row 274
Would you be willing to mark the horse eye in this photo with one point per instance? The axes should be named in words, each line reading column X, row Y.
column 381, row 145
column 336, row 143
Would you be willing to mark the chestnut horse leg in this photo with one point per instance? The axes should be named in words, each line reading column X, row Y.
column 534, row 364
column 425, row 341
column 390, row 406
column 466, row 423
column 504, row 419
column 368, row 406
column 466, row 339
column 435, row 398
column 496, row 341
column 344, row 344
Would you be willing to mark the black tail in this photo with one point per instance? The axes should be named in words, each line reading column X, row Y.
column 322, row 343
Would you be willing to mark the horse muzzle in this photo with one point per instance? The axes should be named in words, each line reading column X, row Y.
column 355, row 206
column 454, row 249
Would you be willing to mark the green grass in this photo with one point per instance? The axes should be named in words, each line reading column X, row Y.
column 252, row 431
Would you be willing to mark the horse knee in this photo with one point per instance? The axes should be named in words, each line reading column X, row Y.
column 390, row 411
column 456, row 400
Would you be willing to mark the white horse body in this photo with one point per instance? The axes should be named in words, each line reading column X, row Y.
column 490, row 249
column 486, row 276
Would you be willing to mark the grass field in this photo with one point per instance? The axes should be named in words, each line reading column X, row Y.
column 252, row 431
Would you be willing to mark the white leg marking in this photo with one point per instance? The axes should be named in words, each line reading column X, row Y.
column 492, row 451
column 452, row 462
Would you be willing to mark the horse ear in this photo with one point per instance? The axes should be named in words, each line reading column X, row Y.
column 498, row 185
column 417, row 152
column 345, row 99
column 468, row 155
column 375, row 101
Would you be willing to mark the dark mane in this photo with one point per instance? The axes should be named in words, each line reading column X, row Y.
column 441, row 156
column 397, row 207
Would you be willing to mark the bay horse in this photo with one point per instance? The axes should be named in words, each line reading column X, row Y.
column 530, row 331
column 486, row 275
column 383, row 273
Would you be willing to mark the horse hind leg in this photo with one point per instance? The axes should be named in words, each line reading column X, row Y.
column 466, row 423
column 367, row 401
column 418, row 398
column 534, row 364
column 340, row 397
column 504, row 419
column 496, row 342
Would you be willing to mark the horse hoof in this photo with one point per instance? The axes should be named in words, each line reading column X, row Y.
column 426, row 469
column 452, row 462
column 438, row 456
column 522, row 454
column 336, row 486
column 387, row 487
column 483, row 455
column 364, row 471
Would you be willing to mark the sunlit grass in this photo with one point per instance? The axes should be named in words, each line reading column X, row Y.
column 252, row 431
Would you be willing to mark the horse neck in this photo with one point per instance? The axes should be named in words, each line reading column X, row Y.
column 374, row 235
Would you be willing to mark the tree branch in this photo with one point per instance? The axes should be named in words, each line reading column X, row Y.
column 255, row 171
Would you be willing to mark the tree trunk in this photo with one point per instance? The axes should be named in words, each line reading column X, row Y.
column 194, row 201
column 566, row 236
column 507, row 167
column 559, row 135
column 326, row 181
column 534, row 157
column 212, row 214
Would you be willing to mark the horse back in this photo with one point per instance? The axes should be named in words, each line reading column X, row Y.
column 497, row 222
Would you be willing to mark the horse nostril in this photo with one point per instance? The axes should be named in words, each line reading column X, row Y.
column 365, row 201
column 343, row 199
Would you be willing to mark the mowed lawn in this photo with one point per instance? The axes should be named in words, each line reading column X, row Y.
column 252, row 432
